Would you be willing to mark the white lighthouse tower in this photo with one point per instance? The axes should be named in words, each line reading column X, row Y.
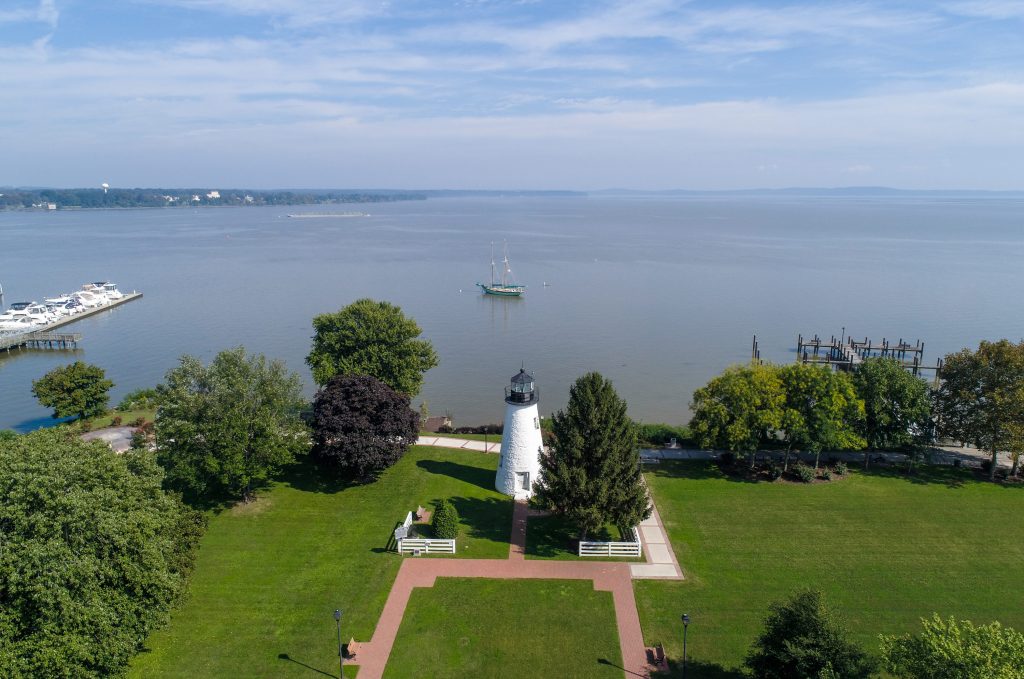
column 521, row 443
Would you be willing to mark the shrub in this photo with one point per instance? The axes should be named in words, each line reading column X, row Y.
column 484, row 429
column 139, row 439
column 727, row 459
column 827, row 475
column 115, row 421
column 138, row 421
column 803, row 472
column 446, row 521
column 841, row 468
column 85, row 425
column 986, row 465
column 774, row 471
column 658, row 434
column 444, row 429
column 140, row 399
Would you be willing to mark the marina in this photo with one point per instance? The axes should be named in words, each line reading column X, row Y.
column 41, row 335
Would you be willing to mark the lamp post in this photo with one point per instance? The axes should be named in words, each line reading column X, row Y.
column 341, row 655
column 686, row 624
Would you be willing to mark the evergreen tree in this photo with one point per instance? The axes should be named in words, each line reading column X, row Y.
column 802, row 640
column 592, row 474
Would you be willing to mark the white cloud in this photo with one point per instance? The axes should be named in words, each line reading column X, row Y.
column 45, row 12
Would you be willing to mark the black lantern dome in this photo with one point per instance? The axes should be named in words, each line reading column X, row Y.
column 522, row 390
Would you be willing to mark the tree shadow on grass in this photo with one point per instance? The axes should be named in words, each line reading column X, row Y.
column 306, row 475
column 485, row 518
column 695, row 669
column 552, row 535
column 483, row 478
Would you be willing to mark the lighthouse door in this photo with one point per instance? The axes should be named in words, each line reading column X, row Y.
column 524, row 480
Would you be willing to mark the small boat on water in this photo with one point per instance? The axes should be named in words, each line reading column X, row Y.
column 505, row 287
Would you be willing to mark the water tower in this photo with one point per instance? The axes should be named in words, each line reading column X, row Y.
column 521, row 443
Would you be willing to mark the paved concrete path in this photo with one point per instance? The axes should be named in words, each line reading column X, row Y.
column 661, row 560
column 444, row 442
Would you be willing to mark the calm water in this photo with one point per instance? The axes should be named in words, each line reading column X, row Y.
column 657, row 294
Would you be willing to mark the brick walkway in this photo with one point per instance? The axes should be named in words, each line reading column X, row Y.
column 616, row 578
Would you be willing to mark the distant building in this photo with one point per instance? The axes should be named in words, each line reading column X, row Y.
column 248, row 198
column 196, row 199
column 213, row 195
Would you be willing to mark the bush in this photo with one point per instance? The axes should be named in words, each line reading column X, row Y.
column 139, row 439
column 138, row 421
column 827, row 475
column 841, row 468
column 986, row 465
column 774, row 471
column 803, row 472
column 115, row 421
column 140, row 399
column 444, row 429
column 657, row 434
column 727, row 459
column 484, row 429
column 446, row 521
column 85, row 425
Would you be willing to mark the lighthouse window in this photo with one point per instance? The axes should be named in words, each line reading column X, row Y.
column 536, row 423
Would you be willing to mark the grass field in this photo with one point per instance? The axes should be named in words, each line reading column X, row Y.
column 886, row 550
column 553, row 537
column 481, row 628
column 271, row 573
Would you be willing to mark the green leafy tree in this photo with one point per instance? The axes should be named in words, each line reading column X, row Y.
column 897, row 406
column 226, row 428
column 592, row 473
column 76, row 389
column 948, row 649
column 445, row 521
column 821, row 410
column 739, row 409
column 803, row 640
column 981, row 397
column 371, row 338
column 94, row 554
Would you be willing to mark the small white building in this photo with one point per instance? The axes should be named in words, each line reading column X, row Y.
column 521, row 442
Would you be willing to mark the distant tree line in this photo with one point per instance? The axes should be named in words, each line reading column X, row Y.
column 15, row 199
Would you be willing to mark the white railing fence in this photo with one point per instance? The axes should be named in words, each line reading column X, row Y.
column 426, row 546
column 623, row 548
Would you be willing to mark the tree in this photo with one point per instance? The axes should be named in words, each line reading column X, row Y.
column 803, row 640
column 361, row 425
column 592, row 473
column 371, row 338
column 955, row 650
column 94, row 555
column 821, row 410
column 981, row 397
column 226, row 428
column 739, row 409
column 76, row 389
column 897, row 406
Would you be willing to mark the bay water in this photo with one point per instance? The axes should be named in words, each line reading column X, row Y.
column 657, row 293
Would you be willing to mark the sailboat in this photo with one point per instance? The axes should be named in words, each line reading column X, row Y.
column 503, row 288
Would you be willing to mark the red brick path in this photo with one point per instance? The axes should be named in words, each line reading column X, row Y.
column 607, row 577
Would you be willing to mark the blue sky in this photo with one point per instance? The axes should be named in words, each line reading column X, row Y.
column 505, row 94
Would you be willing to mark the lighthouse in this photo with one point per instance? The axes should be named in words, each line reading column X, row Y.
column 521, row 443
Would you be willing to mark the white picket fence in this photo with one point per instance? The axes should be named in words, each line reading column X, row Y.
column 426, row 546
column 625, row 548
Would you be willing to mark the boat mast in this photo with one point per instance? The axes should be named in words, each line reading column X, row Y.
column 508, row 269
column 492, row 263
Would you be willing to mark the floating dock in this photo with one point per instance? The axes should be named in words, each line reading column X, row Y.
column 44, row 337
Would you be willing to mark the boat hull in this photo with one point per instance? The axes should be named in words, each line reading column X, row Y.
column 502, row 291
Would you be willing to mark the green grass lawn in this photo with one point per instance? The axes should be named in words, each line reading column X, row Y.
column 271, row 573
column 553, row 537
column 467, row 627
column 127, row 417
column 885, row 549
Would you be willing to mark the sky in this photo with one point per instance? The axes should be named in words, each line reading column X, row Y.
column 505, row 94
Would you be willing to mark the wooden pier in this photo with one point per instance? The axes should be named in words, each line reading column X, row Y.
column 45, row 338
column 846, row 353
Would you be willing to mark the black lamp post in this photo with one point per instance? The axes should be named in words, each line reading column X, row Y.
column 686, row 624
column 341, row 655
